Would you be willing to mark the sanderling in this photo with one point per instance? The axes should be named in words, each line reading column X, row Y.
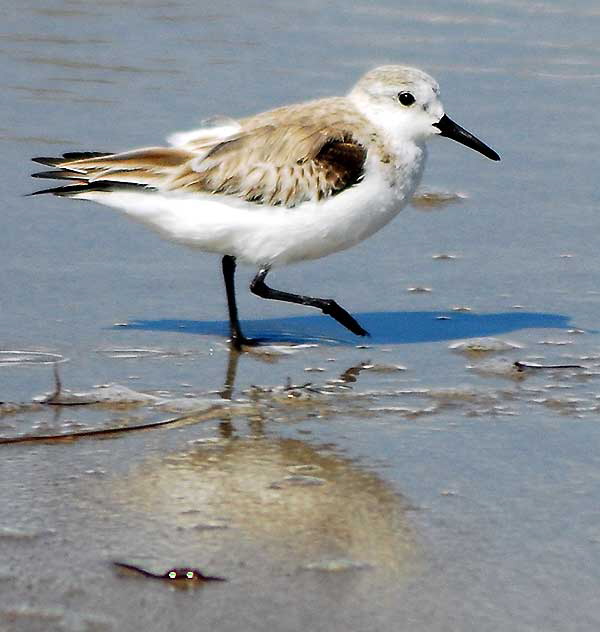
column 295, row 183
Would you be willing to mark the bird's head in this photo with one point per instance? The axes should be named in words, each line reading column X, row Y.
column 405, row 103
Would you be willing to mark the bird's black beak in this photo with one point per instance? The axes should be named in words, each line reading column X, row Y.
column 450, row 129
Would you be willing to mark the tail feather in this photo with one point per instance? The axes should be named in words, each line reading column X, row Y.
column 84, row 155
column 58, row 174
column 53, row 161
column 86, row 187
column 89, row 171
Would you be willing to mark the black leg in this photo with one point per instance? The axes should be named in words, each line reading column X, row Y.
column 326, row 305
column 237, row 338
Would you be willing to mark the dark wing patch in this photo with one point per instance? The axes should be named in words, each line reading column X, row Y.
column 344, row 164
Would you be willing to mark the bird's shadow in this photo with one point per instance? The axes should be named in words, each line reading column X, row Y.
column 384, row 327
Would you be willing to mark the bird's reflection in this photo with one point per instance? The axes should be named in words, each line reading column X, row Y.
column 273, row 502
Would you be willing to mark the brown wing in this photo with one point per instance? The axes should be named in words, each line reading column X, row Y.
column 277, row 165
column 282, row 158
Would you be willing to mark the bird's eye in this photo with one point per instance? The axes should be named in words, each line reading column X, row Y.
column 406, row 98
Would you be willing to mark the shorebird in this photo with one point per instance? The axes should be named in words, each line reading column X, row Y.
column 291, row 184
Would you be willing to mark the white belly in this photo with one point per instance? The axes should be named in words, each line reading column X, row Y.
column 263, row 235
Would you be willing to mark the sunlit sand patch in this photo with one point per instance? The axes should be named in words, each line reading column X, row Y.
column 339, row 565
column 431, row 200
column 192, row 403
column 140, row 353
column 556, row 343
column 384, row 368
column 498, row 368
column 112, row 394
column 281, row 348
column 483, row 345
column 458, row 394
column 406, row 412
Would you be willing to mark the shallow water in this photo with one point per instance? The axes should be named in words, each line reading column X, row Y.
column 409, row 481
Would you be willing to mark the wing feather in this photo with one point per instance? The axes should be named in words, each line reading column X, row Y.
column 284, row 165
column 281, row 158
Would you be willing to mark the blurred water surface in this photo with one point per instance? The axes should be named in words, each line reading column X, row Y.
column 397, row 484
